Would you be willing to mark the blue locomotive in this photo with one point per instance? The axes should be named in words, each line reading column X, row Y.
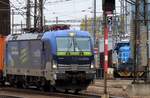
column 124, row 66
column 54, row 59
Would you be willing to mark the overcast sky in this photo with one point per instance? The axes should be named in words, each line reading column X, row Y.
column 64, row 9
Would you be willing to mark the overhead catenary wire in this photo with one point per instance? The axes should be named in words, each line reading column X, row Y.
column 21, row 12
column 19, row 2
column 13, row 7
column 62, row 13
column 63, row 1
column 67, row 14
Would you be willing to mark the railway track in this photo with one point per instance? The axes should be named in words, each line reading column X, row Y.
column 7, row 92
column 115, row 88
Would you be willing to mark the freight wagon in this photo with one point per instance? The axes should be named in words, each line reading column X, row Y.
column 2, row 53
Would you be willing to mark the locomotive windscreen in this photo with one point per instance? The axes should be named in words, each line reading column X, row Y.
column 4, row 17
column 73, row 44
column 74, row 50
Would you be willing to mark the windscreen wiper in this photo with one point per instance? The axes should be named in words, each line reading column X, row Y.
column 68, row 48
column 76, row 45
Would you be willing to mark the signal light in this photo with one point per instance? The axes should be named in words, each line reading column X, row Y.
column 108, row 5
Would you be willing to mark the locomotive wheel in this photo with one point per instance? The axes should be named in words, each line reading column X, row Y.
column 19, row 84
column 40, row 86
column 12, row 84
column 52, row 89
column 3, row 83
column 66, row 90
column 25, row 85
column 45, row 86
column 77, row 91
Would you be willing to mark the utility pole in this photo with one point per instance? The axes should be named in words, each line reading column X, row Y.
column 28, row 14
column 12, row 22
column 21, row 26
column 147, row 44
column 41, row 14
column 85, row 23
column 122, row 31
column 38, row 14
column 44, row 22
column 115, row 28
column 135, row 37
column 56, row 20
column 35, row 14
column 126, row 16
column 94, row 24
column 135, row 40
column 4, row 17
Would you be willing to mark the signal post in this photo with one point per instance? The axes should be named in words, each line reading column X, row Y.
column 108, row 6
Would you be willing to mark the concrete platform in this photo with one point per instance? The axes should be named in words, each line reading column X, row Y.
column 139, row 89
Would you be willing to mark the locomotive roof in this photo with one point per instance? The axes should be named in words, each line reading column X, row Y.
column 65, row 33
column 50, row 36
column 25, row 36
column 125, row 47
column 46, row 35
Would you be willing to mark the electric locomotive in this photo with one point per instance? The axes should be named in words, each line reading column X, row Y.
column 54, row 59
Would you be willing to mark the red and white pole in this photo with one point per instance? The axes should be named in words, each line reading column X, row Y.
column 105, row 55
column 106, row 48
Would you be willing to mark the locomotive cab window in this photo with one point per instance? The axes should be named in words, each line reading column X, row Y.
column 64, row 44
column 82, row 44
column 73, row 44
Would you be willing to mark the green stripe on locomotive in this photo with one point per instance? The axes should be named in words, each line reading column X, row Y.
column 74, row 54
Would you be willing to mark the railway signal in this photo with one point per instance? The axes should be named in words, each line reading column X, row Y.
column 108, row 6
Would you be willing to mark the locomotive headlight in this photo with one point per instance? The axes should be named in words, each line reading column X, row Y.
column 54, row 65
column 92, row 65
column 72, row 34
